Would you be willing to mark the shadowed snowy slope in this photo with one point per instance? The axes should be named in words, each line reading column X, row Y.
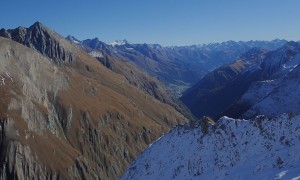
column 273, row 97
column 232, row 149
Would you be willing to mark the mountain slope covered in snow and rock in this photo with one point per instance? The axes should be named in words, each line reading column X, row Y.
column 276, row 90
column 260, row 148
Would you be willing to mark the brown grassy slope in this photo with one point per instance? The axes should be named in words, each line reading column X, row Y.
column 145, row 82
column 81, row 120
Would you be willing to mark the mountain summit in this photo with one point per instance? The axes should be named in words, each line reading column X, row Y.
column 44, row 40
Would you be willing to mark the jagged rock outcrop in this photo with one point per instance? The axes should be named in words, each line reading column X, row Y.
column 44, row 40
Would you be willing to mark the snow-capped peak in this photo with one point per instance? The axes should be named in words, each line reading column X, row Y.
column 119, row 42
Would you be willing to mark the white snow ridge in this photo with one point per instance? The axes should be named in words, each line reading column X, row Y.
column 261, row 148
column 9, row 76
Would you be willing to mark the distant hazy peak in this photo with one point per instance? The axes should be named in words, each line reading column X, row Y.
column 119, row 42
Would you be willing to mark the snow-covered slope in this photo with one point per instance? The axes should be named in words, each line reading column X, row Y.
column 261, row 148
column 282, row 60
column 275, row 96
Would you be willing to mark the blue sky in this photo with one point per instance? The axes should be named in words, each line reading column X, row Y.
column 167, row 22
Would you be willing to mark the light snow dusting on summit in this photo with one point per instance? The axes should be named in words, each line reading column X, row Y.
column 261, row 148
column 119, row 43
column 73, row 39
column 76, row 42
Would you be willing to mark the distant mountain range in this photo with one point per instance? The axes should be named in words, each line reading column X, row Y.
column 178, row 67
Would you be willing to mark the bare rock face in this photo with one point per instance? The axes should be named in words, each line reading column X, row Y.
column 80, row 121
column 44, row 40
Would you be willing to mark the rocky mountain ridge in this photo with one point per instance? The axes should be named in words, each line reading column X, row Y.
column 44, row 40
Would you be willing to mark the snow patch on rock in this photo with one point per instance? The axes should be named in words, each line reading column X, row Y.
column 96, row 54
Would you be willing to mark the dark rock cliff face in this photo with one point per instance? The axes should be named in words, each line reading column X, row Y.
column 43, row 40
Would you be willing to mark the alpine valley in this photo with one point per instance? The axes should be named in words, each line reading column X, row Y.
column 86, row 109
